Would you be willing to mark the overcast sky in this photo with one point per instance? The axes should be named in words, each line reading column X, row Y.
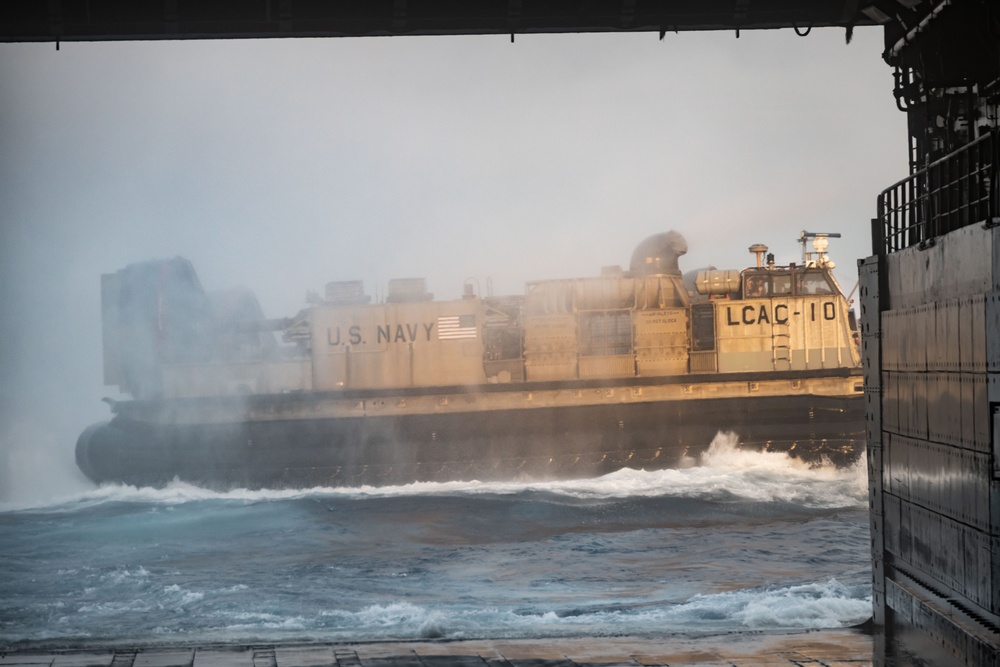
column 281, row 165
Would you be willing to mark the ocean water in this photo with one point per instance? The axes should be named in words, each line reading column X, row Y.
column 736, row 541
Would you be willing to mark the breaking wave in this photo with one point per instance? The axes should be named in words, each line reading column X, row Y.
column 735, row 541
column 724, row 471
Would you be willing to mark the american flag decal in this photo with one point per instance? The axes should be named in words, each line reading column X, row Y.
column 456, row 327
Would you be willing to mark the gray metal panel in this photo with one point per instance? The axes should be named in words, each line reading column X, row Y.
column 930, row 545
column 966, row 639
column 952, row 331
column 934, row 393
column 899, row 601
column 987, row 549
column 913, row 389
column 890, row 403
column 893, row 520
column 913, row 325
column 957, row 265
column 992, row 327
column 936, row 337
column 991, row 582
column 871, row 359
column 977, row 337
column 876, row 467
column 944, row 412
column 948, row 480
column 967, row 326
column 878, row 570
column 921, row 328
column 872, row 329
column 967, row 397
column 975, row 412
column 952, row 402
column 995, row 444
column 890, row 340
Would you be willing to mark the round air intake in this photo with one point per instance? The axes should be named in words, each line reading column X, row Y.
column 658, row 254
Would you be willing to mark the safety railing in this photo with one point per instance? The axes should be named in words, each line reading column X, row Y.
column 955, row 191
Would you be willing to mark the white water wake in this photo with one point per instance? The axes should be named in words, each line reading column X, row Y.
column 800, row 607
column 724, row 471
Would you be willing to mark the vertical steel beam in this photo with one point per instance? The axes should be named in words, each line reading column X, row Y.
column 872, row 288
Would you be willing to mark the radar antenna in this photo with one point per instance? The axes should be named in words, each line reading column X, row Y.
column 818, row 257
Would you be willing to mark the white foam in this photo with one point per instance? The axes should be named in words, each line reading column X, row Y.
column 806, row 606
column 724, row 470
column 174, row 493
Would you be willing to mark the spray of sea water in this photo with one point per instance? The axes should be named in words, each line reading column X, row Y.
column 737, row 541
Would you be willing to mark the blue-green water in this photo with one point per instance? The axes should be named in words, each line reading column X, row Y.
column 740, row 541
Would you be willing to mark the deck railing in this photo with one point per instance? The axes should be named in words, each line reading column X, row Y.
column 960, row 189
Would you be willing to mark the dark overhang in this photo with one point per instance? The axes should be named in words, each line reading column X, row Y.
column 82, row 20
column 945, row 42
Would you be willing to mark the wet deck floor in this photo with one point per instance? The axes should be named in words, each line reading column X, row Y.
column 826, row 648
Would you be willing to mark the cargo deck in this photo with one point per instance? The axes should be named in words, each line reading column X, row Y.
column 823, row 648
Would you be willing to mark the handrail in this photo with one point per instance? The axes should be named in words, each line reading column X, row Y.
column 957, row 190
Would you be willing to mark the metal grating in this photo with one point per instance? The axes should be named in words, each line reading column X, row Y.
column 958, row 190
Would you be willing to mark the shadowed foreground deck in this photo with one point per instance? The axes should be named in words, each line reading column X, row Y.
column 826, row 648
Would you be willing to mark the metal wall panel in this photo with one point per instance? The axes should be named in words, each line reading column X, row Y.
column 958, row 633
column 994, row 419
column 871, row 272
column 945, row 411
column 975, row 411
column 944, row 355
column 938, row 516
column 893, row 520
column 936, row 337
column 967, row 397
column 967, row 326
column 913, row 392
column 957, row 265
column 890, row 403
column 992, row 326
column 991, row 582
column 953, row 404
column 890, row 340
column 914, row 324
column 876, row 471
column 951, row 481
column 873, row 415
column 972, row 334
column 900, row 602
column 929, row 544
column 616, row 365
column 934, row 388
column 550, row 346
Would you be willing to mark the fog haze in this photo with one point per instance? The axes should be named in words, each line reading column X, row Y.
column 280, row 165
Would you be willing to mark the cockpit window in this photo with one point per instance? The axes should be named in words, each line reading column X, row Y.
column 762, row 285
column 782, row 284
column 756, row 286
column 812, row 282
